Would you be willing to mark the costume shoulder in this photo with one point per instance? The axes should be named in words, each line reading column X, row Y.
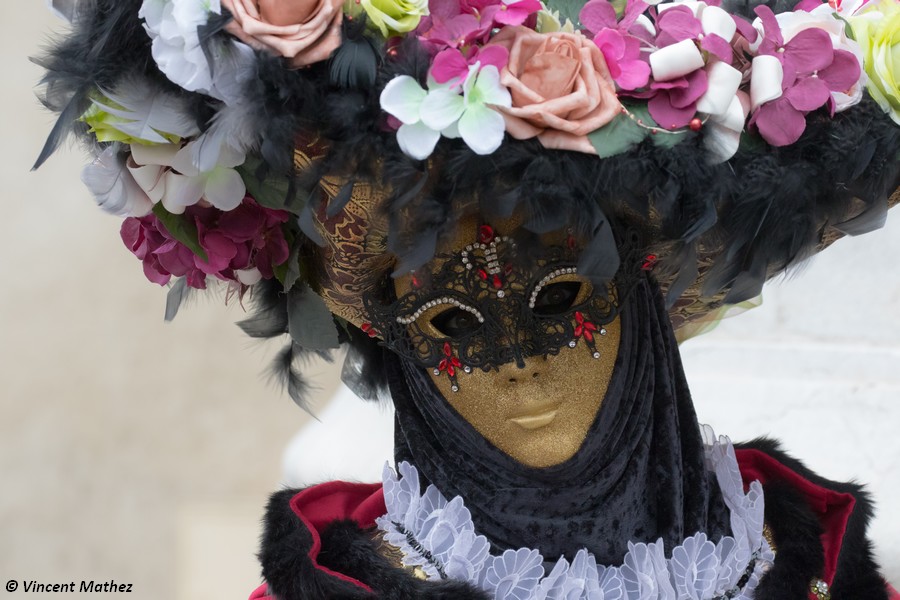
column 818, row 528
column 321, row 542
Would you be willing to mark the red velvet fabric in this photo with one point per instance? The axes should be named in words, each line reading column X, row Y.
column 261, row 593
column 892, row 593
column 322, row 504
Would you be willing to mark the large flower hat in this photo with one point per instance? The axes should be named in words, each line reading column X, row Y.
column 300, row 150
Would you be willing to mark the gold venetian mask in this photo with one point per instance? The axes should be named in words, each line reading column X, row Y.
column 520, row 346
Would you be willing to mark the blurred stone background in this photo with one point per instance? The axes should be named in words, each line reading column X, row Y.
column 143, row 452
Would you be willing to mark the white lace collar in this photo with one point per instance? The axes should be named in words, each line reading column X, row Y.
column 438, row 536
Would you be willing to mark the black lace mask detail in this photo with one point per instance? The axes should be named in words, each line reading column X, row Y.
column 487, row 306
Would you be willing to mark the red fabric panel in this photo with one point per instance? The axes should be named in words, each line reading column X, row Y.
column 261, row 593
column 832, row 508
column 320, row 505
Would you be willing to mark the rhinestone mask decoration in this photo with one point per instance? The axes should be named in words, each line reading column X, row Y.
column 485, row 307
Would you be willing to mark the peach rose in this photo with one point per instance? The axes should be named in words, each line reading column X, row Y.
column 560, row 86
column 303, row 31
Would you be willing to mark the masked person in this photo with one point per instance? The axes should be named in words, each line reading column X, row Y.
column 509, row 212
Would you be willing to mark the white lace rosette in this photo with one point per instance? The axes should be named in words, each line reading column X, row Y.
column 438, row 536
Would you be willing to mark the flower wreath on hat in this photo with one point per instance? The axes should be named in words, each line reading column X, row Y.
column 240, row 138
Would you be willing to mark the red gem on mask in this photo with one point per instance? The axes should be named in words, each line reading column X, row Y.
column 367, row 328
column 451, row 371
column 498, row 283
column 486, row 234
column 448, row 351
column 508, row 269
column 416, row 282
column 483, row 274
column 649, row 262
column 570, row 242
column 696, row 124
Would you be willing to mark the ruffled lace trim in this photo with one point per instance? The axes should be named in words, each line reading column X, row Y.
column 438, row 536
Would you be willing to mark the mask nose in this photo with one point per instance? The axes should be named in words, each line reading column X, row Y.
column 522, row 371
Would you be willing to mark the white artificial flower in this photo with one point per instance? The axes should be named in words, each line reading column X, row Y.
column 442, row 110
column 173, row 25
column 402, row 98
column 722, row 133
column 113, row 186
column 167, row 174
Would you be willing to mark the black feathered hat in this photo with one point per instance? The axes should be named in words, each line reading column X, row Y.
column 304, row 153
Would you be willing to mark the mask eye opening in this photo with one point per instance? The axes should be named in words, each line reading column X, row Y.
column 556, row 298
column 457, row 321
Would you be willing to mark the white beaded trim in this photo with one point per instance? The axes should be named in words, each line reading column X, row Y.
column 438, row 302
column 490, row 253
column 547, row 279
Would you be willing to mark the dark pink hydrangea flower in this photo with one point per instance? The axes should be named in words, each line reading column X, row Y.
column 244, row 239
column 619, row 41
column 460, row 24
column 812, row 70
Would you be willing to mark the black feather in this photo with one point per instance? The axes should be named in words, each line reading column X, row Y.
column 106, row 44
column 354, row 65
column 178, row 295
column 269, row 318
column 340, row 201
column 286, row 371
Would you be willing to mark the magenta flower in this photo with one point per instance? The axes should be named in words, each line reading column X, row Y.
column 501, row 12
column 812, row 70
column 807, row 52
column 248, row 238
column 515, row 13
column 621, row 49
column 675, row 25
column 452, row 64
column 674, row 102
column 453, row 30
column 463, row 23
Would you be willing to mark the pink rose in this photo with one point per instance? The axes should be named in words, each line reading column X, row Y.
column 560, row 85
column 303, row 31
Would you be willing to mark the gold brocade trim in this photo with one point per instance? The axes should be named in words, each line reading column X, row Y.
column 354, row 258
column 394, row 555
column 770, row 537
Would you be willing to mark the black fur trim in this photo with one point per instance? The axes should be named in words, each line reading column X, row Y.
column 796, row 530
column 345, row 549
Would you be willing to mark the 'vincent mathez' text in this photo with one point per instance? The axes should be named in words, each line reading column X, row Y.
column 82, row 587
